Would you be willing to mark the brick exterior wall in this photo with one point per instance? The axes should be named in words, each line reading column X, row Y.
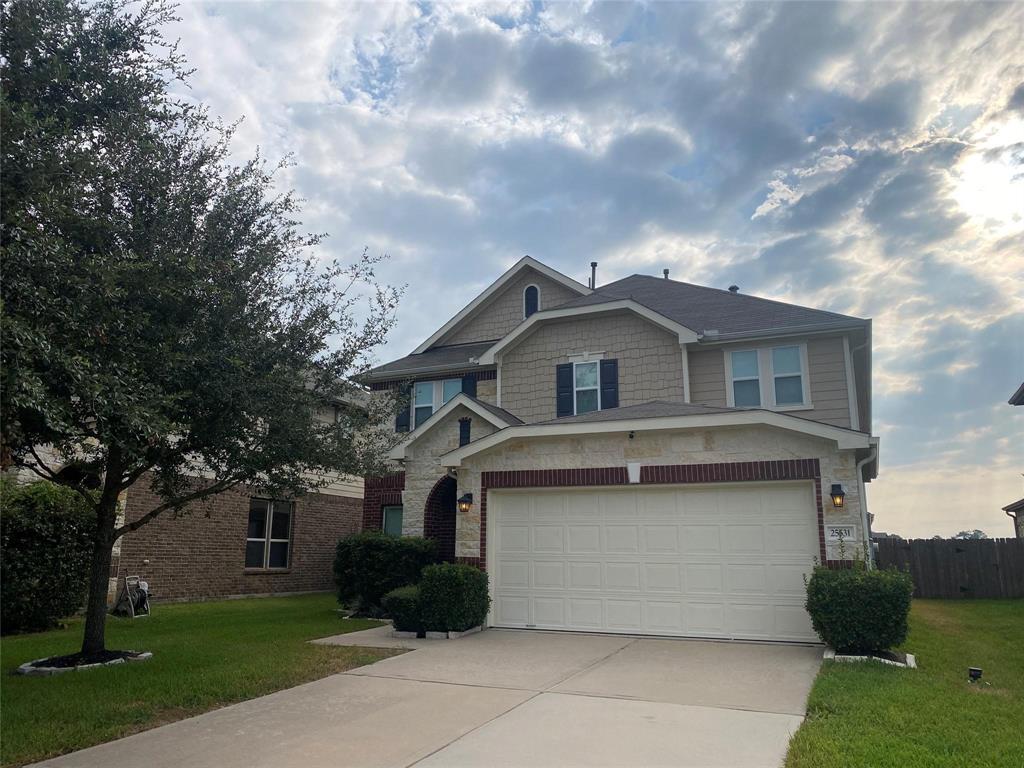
column 504, row 311
column 741, row 471
column 200, row 553
column 381, row 492
column 650, row 362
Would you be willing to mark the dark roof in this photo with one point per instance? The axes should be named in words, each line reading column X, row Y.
column 454, row 357
column 703, row 309
column 501, row 413
column 1017, row 506
column 655, row 409
column 1018, row 397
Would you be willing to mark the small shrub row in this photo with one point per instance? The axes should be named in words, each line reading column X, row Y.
column 859, row 611
column 449, row 598
column 46, row 534
column 370, row 564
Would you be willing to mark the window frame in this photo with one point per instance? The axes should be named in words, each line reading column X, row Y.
column 596, row 388
column 267, row 538
column 766, row 377
column 437, row 398
column 525, row 289
column 384, row 517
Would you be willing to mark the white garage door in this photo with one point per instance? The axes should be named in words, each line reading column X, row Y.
column 723, row 561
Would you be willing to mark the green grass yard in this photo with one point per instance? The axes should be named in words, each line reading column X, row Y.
column 872, row 716
column 205, row 655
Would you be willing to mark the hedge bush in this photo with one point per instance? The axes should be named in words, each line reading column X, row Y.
column 370, row 564
column 403, row 606
column 453, row 598
column 860, row 611
column 46, row 534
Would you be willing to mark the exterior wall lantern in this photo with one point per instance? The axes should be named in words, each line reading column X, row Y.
column 838, row 496
column 465, row 502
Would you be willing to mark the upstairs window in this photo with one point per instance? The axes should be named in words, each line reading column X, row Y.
column 746, row 381
column 586, row 387
column 429, row 396
column 269, row 535
column 531, row 300
column 770, row 377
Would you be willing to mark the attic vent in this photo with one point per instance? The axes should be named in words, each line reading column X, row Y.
column 734, row 289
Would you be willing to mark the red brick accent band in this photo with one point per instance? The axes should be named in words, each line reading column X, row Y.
column 740, row 471
column 379, row 492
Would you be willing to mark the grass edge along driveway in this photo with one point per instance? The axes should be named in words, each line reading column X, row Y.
column 873, row 715
column 205, row 656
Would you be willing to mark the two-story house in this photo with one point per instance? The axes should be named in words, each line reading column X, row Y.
column 647, row 456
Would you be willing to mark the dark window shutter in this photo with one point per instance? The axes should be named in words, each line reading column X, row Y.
column 464, row 426
column 563, row 390
column 469, row 384
column 609, row 384
column 402, row 417
column 530, row 300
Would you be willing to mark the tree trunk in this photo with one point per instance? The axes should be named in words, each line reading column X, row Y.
column 94, row 639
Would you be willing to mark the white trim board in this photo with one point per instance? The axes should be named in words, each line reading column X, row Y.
column 497, row 285
column 844, row 438
column 398, row 452
column 684, row 334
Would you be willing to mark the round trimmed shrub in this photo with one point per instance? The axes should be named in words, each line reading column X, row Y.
column 370, row 564
column 453, row 598
column 403, row 606
column 860, row 611
column 46, row 541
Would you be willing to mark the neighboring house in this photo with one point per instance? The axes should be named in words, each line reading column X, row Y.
column 649, row 456
column 1015, row 511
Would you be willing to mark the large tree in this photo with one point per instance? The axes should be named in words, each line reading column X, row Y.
column 163, row 315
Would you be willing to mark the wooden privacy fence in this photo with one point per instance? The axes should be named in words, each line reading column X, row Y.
column 958, row 567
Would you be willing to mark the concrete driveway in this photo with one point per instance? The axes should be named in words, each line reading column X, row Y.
column 505, row 698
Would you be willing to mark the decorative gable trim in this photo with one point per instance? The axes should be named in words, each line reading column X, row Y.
column 686, row 335
column 398, row 452
column 494, row 288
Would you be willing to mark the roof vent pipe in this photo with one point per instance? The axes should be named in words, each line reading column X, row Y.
column 593, row 274
column 665, row 273
column 734, row 289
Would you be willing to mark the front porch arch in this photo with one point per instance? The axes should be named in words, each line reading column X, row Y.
column 439, row 517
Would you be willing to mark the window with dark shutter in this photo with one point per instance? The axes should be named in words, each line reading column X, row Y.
column 563, row 390
column 609, row 384
column 469, row 385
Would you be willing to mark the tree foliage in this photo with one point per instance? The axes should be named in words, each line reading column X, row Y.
column 162, row 309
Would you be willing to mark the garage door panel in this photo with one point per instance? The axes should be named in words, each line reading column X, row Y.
column 584, row 575
column 548, row 538
column 709, row 561
column 619, row 576
column 514, row 538
column 548, row 575
column 622, row 539
column 583, row 539
column 662, row 577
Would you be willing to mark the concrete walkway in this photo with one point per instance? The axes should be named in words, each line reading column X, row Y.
column 505, row 698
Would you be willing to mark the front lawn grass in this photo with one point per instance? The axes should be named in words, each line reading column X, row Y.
column 873, row 716
column 205, row 655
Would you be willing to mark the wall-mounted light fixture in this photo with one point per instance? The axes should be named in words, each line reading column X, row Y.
column 465, row 502
column 838, row 496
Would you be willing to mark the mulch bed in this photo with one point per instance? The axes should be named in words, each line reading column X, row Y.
column 81, row 659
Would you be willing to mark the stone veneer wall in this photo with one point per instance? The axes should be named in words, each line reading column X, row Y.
column 650, row 362
column 200, row 554
column 722, row 445
column 423, row 469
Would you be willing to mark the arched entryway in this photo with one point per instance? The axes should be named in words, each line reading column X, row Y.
column 439, row 517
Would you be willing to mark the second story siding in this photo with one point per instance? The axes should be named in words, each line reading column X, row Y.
column 826, row 370
column 504, row 311
column 650, row 362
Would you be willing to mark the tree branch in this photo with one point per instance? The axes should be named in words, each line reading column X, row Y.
column 175, row 504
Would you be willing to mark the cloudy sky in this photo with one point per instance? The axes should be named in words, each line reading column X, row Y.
column 867, row 159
